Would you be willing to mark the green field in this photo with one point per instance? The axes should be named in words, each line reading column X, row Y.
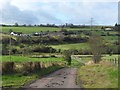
column 26, row 59
column 28, row 30
column 104, row 75
column 110, row 39
column 77, row 46
column 107, row 57
column 17, row 80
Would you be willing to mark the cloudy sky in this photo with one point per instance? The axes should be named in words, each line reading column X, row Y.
column 59, row 12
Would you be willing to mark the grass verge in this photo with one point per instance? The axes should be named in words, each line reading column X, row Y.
column 103, row 75
column 14, row 58
column 18, row 80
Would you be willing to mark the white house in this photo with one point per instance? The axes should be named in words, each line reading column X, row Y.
column 108, row 29
column 13, row 33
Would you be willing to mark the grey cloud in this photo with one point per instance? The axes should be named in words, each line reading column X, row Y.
column 11, row 14
column 45, row 17
column 60, row 13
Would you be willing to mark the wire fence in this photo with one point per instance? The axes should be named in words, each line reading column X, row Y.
column 114, row 61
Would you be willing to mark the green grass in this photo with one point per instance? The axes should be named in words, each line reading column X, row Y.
column 110, row 38
column 26, row 59
column 108, row 57
column 18, row 80
column 103, row 75
column 37, row 29
column 76, row 46
column 29, row 29
column 75, row 64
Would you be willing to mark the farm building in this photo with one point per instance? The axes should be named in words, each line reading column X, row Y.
column 16, row 33
column 108, row 29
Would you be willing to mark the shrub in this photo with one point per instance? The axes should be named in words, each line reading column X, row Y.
column 42, row 65
column 36, row 66
column 5, row 50
column 67, row 56
column 8, row 67
column 43, row 49
column 53, row 56
column 27, row 67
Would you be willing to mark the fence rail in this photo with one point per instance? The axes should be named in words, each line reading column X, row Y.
column 115, row 61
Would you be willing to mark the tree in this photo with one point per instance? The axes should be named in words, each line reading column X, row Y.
column 10, row 30
column 24, row 25
column 16, row 25
column 116, row 24
column 116, row 27
column 67, row 56
column 96, row 45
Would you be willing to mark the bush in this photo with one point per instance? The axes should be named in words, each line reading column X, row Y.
column 42, row 65
column 36, row 66
column 67, row 56
column 8, row 67
column 5, row 50
column 27, row 67
column 53, row 56
column 43, row 49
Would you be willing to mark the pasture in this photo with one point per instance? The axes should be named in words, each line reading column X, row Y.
column 77, row 46
column 104, row 75
column 29, row 59
column 29, row 30
column 18, row 80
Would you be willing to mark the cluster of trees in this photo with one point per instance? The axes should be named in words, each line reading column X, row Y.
column 66, row 25
column 26, row 49
column 43, row 40
column 117, row 27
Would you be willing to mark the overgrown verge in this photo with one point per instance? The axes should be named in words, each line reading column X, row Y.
column 18, row 79
column 103, row 75
column 21, row 74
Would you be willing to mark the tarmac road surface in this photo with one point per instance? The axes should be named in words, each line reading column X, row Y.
column 63, row 78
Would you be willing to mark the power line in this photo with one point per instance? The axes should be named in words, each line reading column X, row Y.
column 91, row 22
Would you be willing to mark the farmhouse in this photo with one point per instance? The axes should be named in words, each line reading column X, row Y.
column 108, row 29
column 39, row 34
column 16, row 33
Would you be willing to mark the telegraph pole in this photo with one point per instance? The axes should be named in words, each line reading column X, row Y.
column 91, row 22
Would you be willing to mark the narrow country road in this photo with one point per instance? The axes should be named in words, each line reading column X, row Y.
column 63, row 78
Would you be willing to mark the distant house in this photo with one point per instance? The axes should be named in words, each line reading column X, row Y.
column 40, row 34
column 16, row 33
column 108, row 29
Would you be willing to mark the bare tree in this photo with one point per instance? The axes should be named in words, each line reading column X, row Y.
column 96, row 46
column 67, row 56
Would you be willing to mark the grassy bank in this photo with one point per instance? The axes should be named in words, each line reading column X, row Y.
column 77, row 46
column 18, row 80
column 14, row 58
column 37, row 29
column 103, row 75
column 29, row 30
